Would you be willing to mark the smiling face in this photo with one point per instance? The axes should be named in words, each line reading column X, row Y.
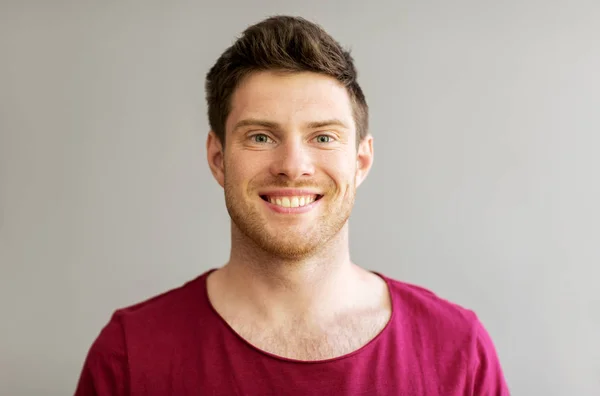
column 290, row 166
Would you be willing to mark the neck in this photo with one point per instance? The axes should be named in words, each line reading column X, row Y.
column 279, row 288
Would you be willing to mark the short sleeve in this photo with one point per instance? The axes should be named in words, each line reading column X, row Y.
column 488, row 377
column 105, row 370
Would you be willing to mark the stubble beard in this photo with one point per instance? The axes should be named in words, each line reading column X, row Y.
column 293, row 243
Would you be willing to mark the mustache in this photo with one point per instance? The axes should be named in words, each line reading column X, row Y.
column 300, row 184
column 291, row 185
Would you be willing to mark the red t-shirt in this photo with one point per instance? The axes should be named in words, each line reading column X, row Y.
column 177, row 344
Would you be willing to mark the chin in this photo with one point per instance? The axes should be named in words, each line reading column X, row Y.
column 291, row 252
column 286, row 248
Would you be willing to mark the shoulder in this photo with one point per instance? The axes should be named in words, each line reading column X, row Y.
column 159, row 314
column 448, row 330
column 152, row 326
column 172, row 302
column 433, row 316
column 417, row 303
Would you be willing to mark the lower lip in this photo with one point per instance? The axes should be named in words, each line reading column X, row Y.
column 298, row 210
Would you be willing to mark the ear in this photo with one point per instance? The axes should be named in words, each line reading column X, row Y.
column 364, row 159
column 215, row 156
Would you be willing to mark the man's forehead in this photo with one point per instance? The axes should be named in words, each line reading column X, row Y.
column 296, row 90
column 292, row 103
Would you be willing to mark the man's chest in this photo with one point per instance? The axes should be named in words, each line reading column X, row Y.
column 302, row 341
column 226, row 365
column 213, row 360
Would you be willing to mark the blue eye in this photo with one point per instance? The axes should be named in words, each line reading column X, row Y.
column 260, row 138
column 323, row 138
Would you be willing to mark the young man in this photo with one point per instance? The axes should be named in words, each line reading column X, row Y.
column 290, row 314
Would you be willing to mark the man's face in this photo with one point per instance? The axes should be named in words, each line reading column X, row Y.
column 290, row 165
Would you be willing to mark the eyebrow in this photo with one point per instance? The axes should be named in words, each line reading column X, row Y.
column 273, row 125
column 255, row 122
column 326, row 123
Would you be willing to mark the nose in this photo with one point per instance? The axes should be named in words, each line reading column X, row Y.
column 293, row 160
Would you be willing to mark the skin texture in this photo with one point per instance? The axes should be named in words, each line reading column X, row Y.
column 289, row 286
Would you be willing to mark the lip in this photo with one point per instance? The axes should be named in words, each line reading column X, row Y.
column 298, row 210
column 288, row 192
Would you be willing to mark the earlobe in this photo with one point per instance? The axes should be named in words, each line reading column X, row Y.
column 215, row 157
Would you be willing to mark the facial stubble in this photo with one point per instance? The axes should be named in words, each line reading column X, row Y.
column 284, row 240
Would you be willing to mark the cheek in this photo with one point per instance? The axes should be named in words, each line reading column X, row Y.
column 341, row 171
column 242, row 169
column 342, row 166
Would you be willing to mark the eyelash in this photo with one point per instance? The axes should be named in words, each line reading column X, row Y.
column 253, row 137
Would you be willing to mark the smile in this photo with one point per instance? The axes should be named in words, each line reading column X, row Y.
column 291, row 201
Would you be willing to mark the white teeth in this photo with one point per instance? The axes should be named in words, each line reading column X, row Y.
column 293, row 202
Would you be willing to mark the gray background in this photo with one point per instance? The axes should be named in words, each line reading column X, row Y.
column 485, row 186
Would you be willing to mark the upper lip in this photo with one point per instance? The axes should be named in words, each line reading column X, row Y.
column 288, row 193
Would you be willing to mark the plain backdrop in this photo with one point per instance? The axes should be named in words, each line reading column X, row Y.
column 485, row 186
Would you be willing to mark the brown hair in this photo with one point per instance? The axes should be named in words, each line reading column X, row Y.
column 282, row 43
